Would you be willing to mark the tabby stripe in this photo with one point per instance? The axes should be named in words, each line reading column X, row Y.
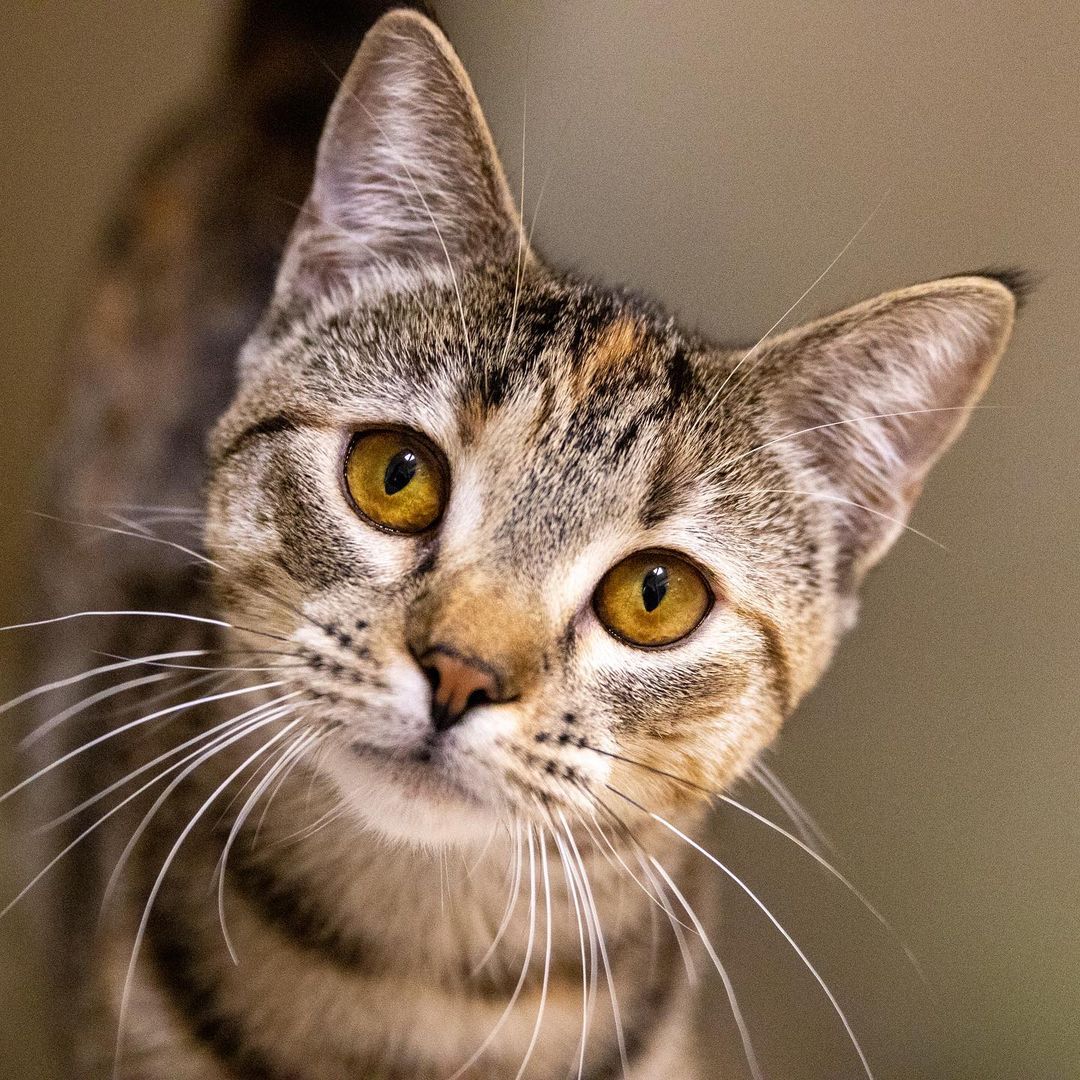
column 219, row 1030
column 279, row 423
column 294, row 914
column 777, row 653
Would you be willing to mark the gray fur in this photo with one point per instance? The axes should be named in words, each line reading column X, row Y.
column 579, row 425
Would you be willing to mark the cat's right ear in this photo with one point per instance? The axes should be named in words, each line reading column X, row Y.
column 407, row 175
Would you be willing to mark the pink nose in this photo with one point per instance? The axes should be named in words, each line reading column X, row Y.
column 458, row 684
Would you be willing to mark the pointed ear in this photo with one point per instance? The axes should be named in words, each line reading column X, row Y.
column 884, row 388
column 407, row 174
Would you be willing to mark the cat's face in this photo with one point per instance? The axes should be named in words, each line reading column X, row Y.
column 516, row 528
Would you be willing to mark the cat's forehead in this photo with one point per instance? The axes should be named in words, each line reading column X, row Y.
column 558, row 407
column 566, row 414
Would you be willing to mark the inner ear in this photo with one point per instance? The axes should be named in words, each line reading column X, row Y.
column 871, row 397
column 407, row 176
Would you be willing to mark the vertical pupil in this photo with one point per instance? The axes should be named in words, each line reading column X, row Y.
column 654, row 587
column 400, row 470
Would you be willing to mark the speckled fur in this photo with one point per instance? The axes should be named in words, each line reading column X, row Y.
column 580, row 425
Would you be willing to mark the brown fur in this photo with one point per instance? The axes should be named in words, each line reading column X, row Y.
column 580, row 426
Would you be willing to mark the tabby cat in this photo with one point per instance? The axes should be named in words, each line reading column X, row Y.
column 504, row 575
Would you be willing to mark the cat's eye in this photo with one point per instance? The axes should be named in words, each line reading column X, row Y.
column 652, row 598
column 396, row 479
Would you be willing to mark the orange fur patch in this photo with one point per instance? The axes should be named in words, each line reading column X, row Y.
column 613, row 347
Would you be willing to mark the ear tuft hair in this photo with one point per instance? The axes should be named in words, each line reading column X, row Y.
column 1021, row 283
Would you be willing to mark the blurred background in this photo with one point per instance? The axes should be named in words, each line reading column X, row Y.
column 719, row 156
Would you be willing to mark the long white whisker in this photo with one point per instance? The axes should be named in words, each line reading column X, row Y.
column 292, row 750
column 547, row 956
column 620, row 1035
column 571, row 888
column 127, row 727
column 813, row 285
column 185, row 686
column 202, row 736
column 524, row 965
column 591, row 929
column 295, row 760
column 274, row 711
column 823, row 862
column 101, row 821
column 156, row 888
column 511, row 903
column 729, row 989
column 89, row 702
column 807, row 828
column 199, row 619
column 71, row 680
column 769, row 915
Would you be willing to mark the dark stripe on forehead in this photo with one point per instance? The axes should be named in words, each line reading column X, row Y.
column 680, row 376
column 278, row 424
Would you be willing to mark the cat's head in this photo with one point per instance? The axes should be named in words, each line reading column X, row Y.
column 516, row 526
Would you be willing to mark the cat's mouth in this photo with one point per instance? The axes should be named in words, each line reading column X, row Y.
column 426, row 770
column 421, row 795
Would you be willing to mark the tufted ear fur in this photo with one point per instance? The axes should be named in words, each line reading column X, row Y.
column 885, row 387
column 407, row 175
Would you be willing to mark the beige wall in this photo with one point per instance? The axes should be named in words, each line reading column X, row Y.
column 719, row 155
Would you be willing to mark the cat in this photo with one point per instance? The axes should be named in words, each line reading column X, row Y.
column 503, row 576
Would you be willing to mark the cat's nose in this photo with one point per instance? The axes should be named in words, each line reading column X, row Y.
column 458, row 683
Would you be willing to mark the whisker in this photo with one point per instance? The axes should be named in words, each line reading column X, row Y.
column 88, row 703
column 293, row 749
column 185, row 686
column 198, row 619
column 729, row 988
column 128, row 726
column 547, row 956
column 156, row 888
column 571, row 888
column 200, row 737
column 511, row 903
column 813, row 285
column 491, row 1036
column 807, row 828
column 105, row 817
column 658, row 898
column 803, row 846
column 71, row 680
column 259, row 717
column 602, row 947
column 768, row 914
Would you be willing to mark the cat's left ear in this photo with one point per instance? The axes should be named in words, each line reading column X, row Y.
column 407, row 175
column 872, row 396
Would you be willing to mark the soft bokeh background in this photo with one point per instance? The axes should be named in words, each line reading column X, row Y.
column 719, row 155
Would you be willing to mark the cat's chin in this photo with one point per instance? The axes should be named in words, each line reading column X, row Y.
column 409, row 799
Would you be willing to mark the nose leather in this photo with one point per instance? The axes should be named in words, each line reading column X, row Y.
column 458, row 683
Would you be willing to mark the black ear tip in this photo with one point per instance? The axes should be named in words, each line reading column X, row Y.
column 1021, row 283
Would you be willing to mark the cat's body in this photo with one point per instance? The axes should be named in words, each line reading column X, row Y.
column 576, row 427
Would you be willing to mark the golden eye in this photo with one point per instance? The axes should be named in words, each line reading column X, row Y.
column 396, row 479
column 652, row 598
